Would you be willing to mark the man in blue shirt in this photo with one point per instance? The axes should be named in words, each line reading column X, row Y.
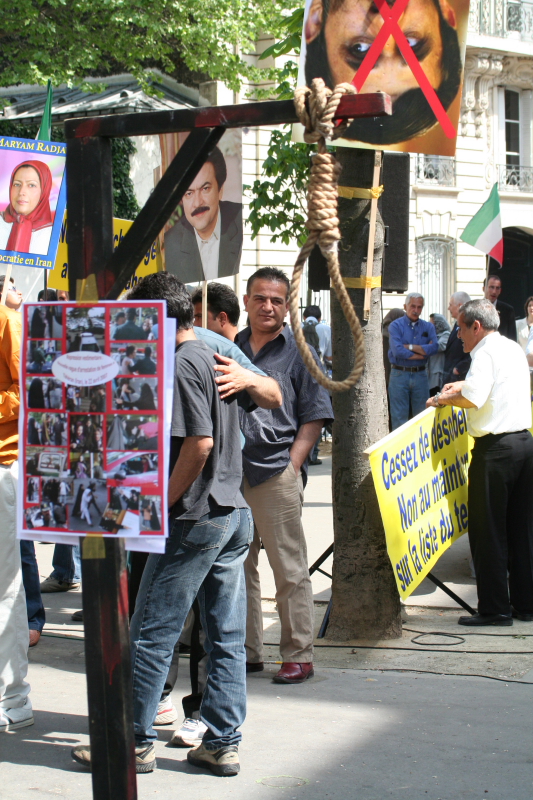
column 412, row 342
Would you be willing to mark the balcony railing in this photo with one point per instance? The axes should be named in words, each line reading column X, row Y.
column 515, row 179
column 502, row 18
column 435, row 170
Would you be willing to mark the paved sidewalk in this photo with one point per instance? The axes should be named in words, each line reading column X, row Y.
column 344, row 734
column 434, row 718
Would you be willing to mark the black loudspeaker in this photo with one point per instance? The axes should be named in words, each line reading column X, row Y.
column 394, row 209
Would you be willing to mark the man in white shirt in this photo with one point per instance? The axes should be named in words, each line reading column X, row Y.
column 496, row 393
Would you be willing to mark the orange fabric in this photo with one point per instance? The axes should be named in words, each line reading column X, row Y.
column 10, row 332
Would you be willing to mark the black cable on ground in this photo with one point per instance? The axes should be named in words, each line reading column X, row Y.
column 417, row 649
column 474, row 633
column 437, row 633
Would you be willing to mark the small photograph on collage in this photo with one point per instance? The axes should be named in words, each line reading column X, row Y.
column 89, row 500
column 47, row 429
column 47, row 462
column 33, row 490
column 135, row 394
column 137, row 470
column 86, row 398
column 41, row 355
column 122, row 511
column 46, row 515
column 131, row 432
column 85, row 329
column 86, row 433
column 134, row 324
column 44, row 393
column 150, row 513
column 45, row 322
column 87, row 465
column 57, row 490
column 135, row 359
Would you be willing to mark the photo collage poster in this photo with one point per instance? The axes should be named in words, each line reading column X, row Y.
column 96, row 395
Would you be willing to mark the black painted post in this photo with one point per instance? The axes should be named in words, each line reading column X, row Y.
column 104, row 575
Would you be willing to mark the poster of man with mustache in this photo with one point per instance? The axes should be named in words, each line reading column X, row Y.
column 205, row 243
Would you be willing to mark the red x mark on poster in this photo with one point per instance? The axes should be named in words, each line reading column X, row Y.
column 391, row 28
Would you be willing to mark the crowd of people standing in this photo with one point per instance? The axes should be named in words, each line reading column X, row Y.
column 246, row 418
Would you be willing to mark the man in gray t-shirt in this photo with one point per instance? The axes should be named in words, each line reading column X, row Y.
column 211, row 528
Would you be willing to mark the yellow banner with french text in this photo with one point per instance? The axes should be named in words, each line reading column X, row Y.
column 152, row 261
column 420, row 472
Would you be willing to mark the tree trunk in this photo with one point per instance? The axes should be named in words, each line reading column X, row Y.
column 366, row 604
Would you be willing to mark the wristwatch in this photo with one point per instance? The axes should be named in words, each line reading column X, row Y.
column 410, row 347
column 436, row 398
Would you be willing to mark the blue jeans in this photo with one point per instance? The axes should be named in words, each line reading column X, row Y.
column 407, row 389
column 32, row 587
column 205, row 559
column 66, row 563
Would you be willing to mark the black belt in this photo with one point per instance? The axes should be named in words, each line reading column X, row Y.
column 408, row 369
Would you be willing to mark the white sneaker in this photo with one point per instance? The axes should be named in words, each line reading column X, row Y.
column 13, row 718
column 166, row 712
column 190, row 734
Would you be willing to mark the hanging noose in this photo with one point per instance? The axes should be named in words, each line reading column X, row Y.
column 323, row 222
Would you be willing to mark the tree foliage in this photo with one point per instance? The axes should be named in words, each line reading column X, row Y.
column 67, row 41
column 277, row 200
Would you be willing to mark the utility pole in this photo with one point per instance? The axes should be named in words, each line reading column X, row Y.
column 366, row 604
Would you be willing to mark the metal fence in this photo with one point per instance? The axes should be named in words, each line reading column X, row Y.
column 515, row 179
column 436, row 170
column 502, row 18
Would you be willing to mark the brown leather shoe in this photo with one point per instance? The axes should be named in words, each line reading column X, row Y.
column 258, row 666
column 34, row 637
column 292, row 672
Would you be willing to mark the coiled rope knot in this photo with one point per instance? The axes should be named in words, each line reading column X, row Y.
column 315, row 108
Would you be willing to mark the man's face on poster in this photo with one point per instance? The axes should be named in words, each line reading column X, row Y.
column 201, row 201
column 352, row 26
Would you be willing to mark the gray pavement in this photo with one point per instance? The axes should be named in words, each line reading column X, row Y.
column 434, row 718
column 346, row 733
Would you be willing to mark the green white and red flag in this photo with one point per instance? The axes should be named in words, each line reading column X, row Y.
column 484, row 231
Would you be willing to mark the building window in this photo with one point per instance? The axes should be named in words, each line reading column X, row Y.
column 512, row 128
column 435, row 272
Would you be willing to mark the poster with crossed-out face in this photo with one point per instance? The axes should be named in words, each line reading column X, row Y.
column 413, row 50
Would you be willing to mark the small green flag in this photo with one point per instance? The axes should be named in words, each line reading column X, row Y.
column 45, row 131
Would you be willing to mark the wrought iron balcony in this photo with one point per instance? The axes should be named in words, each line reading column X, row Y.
column 515, row 179
column 435, row 170
column 502, row 18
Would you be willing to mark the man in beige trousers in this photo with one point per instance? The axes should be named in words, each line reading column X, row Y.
column 278, row 442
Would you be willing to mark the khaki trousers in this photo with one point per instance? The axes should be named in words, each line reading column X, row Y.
column 277, row 509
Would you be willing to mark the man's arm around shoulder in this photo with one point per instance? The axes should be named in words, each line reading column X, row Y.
column 264, row 391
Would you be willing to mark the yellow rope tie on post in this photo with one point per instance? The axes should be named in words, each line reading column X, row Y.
column 353, row 193
column 323, row 222
column 363, row 283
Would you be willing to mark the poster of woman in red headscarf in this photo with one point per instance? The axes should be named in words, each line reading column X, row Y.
column 32, row 201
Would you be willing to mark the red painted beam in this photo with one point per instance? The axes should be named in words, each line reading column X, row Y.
column 244, row 115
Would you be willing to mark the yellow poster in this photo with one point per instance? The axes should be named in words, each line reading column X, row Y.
column 420, row 473
column 58, row 277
